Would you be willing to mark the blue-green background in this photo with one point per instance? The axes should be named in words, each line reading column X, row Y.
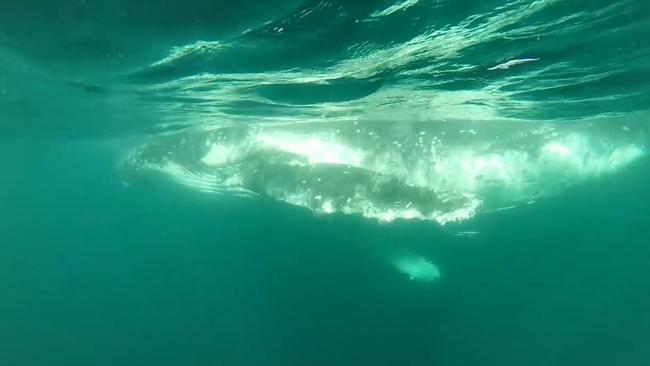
column 93, row 273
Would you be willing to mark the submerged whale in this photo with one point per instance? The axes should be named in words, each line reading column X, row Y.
column 416, row 267
column 438, row 171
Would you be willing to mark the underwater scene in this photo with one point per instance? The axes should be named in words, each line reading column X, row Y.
column 324, row 182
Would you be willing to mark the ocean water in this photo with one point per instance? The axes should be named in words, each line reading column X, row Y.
column 328, row 182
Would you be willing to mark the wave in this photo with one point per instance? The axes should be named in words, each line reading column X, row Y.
column 327, row 60
column 515, row 59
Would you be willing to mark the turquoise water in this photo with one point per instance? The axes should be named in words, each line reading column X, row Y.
column 324, row 182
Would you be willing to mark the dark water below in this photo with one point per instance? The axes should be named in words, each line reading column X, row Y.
column 97, row 272
column 93, row 273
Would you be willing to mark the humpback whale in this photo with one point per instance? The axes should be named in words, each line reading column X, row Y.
column 438, row 171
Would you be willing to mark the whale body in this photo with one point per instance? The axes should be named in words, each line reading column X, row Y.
column 438, row 171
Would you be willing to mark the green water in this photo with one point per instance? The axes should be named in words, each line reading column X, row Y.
column 182, row 183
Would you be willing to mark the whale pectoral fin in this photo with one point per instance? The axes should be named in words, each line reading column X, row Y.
column 416, row 267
